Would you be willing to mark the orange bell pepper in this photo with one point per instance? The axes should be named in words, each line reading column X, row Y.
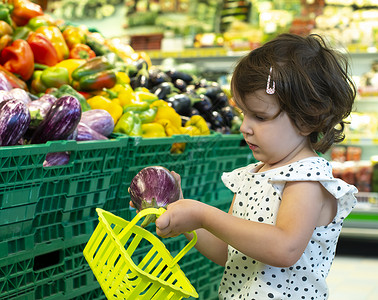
column 82, row 51
column 24, row 10
column 55, row 36
column 18, row 58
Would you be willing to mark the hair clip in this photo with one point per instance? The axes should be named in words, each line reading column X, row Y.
column 270, row 90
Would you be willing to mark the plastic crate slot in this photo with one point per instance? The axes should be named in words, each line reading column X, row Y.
column 48, row 233
column 47, row 260
column 51, row 288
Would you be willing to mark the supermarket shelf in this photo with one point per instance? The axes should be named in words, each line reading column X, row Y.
column 366, row 104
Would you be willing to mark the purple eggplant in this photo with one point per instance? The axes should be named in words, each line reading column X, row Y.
column 99, row 120
column 4, row 95
column 60, row 121
column 20, row 94
column 14, row 121
column 85, row 133
column 56, row 159
column 4, row 83
column 153, row 187
column 39, row 109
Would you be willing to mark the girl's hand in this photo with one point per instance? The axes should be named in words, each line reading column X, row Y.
column 181, row 216
column 178, row 178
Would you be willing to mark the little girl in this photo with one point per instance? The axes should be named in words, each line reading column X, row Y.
column 279, row 237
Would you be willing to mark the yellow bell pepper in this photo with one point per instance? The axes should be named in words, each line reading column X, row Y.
column 169, row 113
column 159, row 103
column 153, row 130
column 100, row 102
column 122, row 78
column 200, row 123
column 170, row 130
column 143, row 95
column 70, row 64
column 190, row 130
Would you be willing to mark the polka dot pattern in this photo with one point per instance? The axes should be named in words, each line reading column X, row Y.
column 258, row 197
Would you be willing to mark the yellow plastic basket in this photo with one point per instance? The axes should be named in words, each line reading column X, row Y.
column 129, row 262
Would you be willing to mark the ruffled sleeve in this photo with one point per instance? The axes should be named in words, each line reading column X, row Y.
column 318, row 169
column 233, row 179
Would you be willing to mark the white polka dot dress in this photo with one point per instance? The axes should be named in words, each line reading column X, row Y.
column 258, row 197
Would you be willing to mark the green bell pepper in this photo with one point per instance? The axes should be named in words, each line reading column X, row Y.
column 21, row 33
column 137, row 128
column 97, row 81
column 5, row 12
column 36, row 84
column 55, row 77
column 136, row 107
column 148, row 115
column 38, row 21
column 125, row 123
column 92, row 66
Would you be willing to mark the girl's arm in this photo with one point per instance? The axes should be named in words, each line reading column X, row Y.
column 211, row 246
column 281, row 244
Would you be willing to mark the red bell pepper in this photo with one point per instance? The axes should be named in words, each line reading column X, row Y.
column 55, row 36
column 82, row 51
column 18, row 58
column 24, row 10
column 43, row 50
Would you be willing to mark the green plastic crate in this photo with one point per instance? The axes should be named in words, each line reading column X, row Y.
column 48, row 266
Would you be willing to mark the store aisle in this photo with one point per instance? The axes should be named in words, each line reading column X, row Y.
column 353, row 278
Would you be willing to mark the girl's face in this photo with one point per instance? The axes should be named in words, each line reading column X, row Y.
column 269, row 132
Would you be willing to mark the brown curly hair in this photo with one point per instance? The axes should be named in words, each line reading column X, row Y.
column 312, row 84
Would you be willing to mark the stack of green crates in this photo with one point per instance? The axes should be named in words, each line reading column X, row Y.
column 47, row 214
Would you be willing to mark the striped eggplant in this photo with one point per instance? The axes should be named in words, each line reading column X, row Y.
column 14, row 121
column 60, row 121
column 85, row 133
column 56, row 159
column 39, row 109
column 99, row 120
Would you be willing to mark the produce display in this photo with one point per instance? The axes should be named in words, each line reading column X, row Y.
column 60, row 81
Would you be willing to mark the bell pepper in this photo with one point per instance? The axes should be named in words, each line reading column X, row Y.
column 136, row 107
column 125, row 93
column 148, row 115
column 43, row 50
column 97, row 81
column 125, row 123
column 170, row 130
column 92, row 66
column 200, row 123
column 43, row 20
column 169, row 113
column 74, row 35
column 54, row 77
column 70, row 64
column 97, row 43
column 81, row 51
column 100, row 102
column 37, row 86
column 190, row 130
column 5, row 41
column 21, row 32
column 66, row 89
column 153, row 130
column 123, row 78
column 5, row 28
column 146, row 96
column 137, row 128
column 13, row 79
column 5, row 12
column 18, row 58
column 55, row 36
column 24, row 10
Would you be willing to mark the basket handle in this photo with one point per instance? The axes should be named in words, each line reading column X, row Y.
column 159, row 212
